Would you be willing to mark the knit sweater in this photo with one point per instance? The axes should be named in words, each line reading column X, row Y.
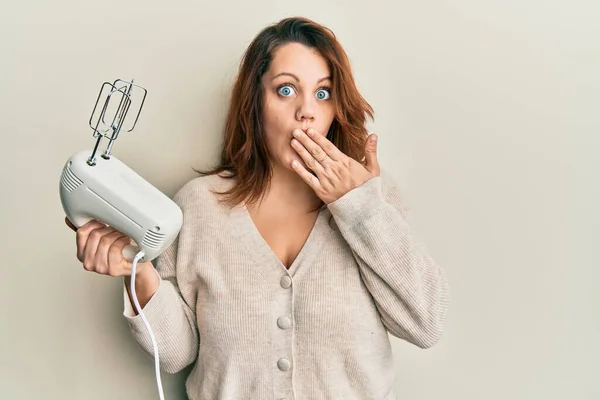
column 255, row 330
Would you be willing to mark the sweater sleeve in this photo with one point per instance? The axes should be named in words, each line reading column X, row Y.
column 409, row 289
column 170, row 315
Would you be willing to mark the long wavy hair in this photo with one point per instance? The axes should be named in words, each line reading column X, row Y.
column 244, row 155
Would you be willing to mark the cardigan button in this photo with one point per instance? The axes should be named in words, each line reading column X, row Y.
column 286, row 282
column 284, row 322
column 283, row 364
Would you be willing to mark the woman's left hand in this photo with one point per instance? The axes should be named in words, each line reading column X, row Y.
column 336, row 173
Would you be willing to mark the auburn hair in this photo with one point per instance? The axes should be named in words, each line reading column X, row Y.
column 244, row 155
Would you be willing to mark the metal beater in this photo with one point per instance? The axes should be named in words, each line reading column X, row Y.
column 122, row 90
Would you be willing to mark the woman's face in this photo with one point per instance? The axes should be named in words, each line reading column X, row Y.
column 297, row 95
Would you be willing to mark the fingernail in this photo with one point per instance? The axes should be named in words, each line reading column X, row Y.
column 310, row 132
column 373, row 138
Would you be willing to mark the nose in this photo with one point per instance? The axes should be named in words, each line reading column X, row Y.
column 306, row 108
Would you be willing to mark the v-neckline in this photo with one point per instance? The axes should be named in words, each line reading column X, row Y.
column 264, row 254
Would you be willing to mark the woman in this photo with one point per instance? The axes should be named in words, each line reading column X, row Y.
column 295, row 258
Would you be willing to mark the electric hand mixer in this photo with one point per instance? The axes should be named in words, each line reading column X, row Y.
column 105, row 189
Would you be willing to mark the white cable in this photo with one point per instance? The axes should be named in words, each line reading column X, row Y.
column 137, row 257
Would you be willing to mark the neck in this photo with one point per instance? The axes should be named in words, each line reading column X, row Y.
column 289, row 189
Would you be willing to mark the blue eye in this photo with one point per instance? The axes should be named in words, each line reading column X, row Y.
column 285, row 90
column 323, row 94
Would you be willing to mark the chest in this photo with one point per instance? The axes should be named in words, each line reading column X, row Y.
column 285, row 235
column 251, row 298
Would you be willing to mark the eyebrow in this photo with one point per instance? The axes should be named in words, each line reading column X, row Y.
column 298, row 79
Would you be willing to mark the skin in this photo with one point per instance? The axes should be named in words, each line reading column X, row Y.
column 297, row 95
column 297, row 113
column 307, row 168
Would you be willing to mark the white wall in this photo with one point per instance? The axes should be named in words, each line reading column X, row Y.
column 488, row 116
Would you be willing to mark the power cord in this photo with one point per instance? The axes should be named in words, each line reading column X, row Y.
column 137, row 257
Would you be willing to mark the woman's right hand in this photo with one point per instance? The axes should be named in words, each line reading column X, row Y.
column 100, row 249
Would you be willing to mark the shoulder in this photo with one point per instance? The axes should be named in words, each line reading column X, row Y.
column 200, row 192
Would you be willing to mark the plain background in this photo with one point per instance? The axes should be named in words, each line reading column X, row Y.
column 488, row 114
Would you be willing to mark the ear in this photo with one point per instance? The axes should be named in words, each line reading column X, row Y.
column 371, row 163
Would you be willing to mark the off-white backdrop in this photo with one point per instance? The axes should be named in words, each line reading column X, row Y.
column 488, row 117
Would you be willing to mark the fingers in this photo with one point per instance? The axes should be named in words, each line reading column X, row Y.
column 309, row 178
column 117, row 264
column 319, row 147
column 92, row 260
column 325, row 144
column 82, row 235
column 371, row 162
column 104, row 263
column 311, row 160
column 100, row 248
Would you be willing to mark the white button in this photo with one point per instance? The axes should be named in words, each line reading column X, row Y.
column 284, row 322
column 286, row 282
column 283, row 364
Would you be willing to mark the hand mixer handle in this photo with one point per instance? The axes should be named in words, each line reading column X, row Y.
column 129, row 251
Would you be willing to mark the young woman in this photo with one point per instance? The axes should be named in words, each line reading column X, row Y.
column 295, row 259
